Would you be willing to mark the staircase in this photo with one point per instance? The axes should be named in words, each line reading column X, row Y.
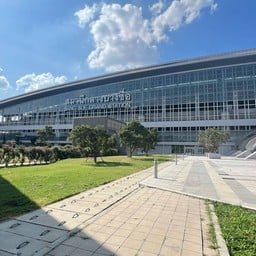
column 252, row 156
column 244, row 154
column 250, row 148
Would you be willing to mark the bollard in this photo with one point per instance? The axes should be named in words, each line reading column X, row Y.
column 176, row 159
column 155, row 168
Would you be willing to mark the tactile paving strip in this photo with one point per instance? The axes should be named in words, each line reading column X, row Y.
column 13, row 244
column 33, row 231
column 65, row 220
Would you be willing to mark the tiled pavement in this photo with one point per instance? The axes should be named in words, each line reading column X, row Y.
column 38, row 232
column 119, row 218
column 228, row 180
column 148, row 222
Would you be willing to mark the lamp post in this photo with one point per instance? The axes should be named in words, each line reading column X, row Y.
column 155, row 169
column 176, row 161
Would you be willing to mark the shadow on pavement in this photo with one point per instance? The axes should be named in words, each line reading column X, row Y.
column 40, row 231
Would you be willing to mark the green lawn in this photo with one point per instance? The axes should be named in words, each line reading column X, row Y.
column 26, row 188
column 238, row 228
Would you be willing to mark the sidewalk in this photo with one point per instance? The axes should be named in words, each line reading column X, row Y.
column 228, row 180
column 119, row 218
column 148, row 222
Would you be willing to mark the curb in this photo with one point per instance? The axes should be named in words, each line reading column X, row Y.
column 222, row 247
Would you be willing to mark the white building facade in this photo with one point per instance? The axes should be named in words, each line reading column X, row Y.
column 178, row 99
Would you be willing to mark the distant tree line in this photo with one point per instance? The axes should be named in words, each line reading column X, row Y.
column 86, row 142
column 37, row 154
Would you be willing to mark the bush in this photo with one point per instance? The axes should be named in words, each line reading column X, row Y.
column 8, row 154
column 57, row 153
column 31, row 154
column 46, row 154
column 22, row 153
column 72, row 152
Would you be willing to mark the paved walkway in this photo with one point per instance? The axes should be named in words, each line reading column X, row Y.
column 119, row 218
column 148, row 222
column 228, row 180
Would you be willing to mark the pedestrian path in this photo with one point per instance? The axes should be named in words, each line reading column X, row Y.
column 37, row 232
column 227, row 180
column 149, row 222
column 119, row 218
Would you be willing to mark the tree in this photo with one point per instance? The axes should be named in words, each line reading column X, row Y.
column 8, row 154
column 15, row 156
column 149, row 140
column 47, row 155
column 72, row 152
column 212, row 138
column 58, row 153
column 45, row 135
column 31, row 154
column 33, row 140
column 111, row 145
column 93, row 140
column 17, row 138
column 22, row 153
column 132, row 135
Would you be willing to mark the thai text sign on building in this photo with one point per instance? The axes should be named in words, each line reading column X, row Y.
column 121, row 99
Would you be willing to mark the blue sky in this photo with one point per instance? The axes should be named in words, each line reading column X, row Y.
column 49, row 42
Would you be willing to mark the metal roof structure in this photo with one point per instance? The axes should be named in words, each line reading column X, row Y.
column 218, row 60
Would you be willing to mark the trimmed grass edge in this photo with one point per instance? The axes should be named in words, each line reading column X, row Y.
column 215, row 234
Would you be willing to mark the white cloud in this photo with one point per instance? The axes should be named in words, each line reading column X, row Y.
column 32, row 82
column 85, row 15
column 1, row 70
column 179, row 13
column 4, row 84
column 123, row 38
column 156, row 8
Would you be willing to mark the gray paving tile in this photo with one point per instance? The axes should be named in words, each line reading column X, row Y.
column 2, row 253
column 199, row 182
column 20, row 245
column 59, row 219
column 229, row 180
column 145, row 218
column 62, row 250
column 32, row 230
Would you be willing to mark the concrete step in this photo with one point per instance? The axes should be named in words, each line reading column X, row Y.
column 252, row 156
column 243, row 154
column 236, row 153
column 251, row 144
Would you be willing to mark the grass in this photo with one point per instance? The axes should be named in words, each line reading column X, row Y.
column 26, row 188
column 238, row 229
column 211, row 229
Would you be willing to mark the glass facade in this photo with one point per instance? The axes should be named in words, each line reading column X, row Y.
column 178, row 99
